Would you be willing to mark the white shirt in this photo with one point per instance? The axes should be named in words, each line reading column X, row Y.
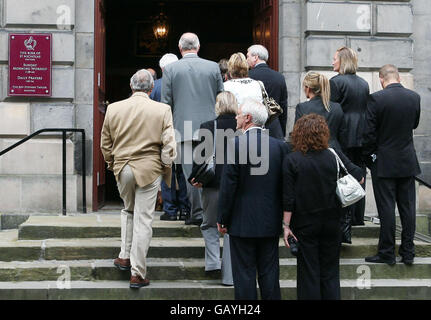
column 244, row 88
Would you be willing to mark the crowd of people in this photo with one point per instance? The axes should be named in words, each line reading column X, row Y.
column 267, row 183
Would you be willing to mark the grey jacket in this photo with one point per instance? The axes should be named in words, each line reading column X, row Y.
column 190, row 87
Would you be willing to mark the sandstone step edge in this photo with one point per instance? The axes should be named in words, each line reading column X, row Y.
column 192, row 269
column 205, row 290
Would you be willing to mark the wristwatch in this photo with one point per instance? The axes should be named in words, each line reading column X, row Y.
column 286, row 224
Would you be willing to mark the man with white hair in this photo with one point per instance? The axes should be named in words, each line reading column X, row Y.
column 174, row 200
column 168, row 58
column 275, row 85
column 138, row 144
column 250, row 204
column 190, row 87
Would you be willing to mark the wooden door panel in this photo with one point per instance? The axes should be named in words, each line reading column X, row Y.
column 99, row 109
column 265, row 28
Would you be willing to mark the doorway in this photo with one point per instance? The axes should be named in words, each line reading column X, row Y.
column 124, row 43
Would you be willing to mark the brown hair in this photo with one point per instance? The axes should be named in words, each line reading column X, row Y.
column 238, row 66
column 319, row 84
column 310, row 133
column 348, row 60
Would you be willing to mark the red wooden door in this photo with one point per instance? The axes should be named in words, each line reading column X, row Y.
column 99, row 107
column 265, row 28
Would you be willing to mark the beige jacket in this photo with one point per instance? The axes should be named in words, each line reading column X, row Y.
column 139, row 132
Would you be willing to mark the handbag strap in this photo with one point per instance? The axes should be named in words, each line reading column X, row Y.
column 339, row 163
column 215, row 138
column 262, row 87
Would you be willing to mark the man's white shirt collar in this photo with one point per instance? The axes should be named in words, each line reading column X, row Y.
column 253, row 128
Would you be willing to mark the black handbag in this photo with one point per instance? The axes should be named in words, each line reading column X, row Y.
column 205, row 173
column 273, row 108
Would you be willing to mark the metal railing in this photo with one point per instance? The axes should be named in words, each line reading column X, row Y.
column 426, row 184
column 63, row 131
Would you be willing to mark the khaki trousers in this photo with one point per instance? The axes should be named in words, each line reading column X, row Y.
column 136, row 220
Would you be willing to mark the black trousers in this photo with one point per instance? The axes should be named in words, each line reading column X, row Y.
column 357, row 210
column 249, row 255
column 318, row 266
column 387, row 192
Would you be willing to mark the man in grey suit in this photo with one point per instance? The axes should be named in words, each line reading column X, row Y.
column 190, row 87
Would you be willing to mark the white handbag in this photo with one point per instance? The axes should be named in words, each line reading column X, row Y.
column 348, row 190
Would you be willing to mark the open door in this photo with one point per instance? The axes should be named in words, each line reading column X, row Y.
column 265, row 28
column 99, row 105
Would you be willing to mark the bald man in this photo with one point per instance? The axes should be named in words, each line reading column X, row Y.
column 190, row 87
column 392, row 114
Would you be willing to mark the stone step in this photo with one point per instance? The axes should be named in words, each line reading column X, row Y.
column 12, row 249
column 205, row 290
column 192, row 269
column 108, row 226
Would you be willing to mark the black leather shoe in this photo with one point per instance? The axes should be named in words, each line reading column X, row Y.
column 168, row 217
column 407, row 261
column 378, row 259
column 183, row 215
column 196, row 222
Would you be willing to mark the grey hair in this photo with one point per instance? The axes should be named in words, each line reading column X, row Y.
column 260, row 51
column 167, row 59
column 257, row 110
column 189, row 41
column 142, row 81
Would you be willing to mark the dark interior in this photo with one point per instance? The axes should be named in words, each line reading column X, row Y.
column 223, row 27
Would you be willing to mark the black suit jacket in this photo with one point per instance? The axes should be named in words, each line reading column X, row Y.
column 352, row 93
column 334, row 118
column 392, row 114
column 251, row 205
column 224, row 122
column 309, row 183
column 275, row 86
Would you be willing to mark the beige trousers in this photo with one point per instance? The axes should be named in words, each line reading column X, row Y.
column 136, row 220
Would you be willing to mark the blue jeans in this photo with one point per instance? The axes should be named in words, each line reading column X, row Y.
column 173, row 199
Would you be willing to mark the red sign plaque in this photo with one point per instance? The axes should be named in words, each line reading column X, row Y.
column 30, row 65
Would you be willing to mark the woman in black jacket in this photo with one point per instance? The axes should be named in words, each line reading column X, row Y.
column 316, row 88
column 225, row 109
column 312, row 208
column 352, row 93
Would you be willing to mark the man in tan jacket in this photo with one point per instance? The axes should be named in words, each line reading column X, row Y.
column 138, row 143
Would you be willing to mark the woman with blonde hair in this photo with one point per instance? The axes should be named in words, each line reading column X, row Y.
column 317, row 89
column 226, row 109
column 351, row 92
column 242, row 86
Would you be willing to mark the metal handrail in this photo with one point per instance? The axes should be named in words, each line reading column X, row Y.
column 426, row 184
column 63, row 131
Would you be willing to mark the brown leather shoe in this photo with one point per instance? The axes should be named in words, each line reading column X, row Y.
column 137, row 282
column 122, row 264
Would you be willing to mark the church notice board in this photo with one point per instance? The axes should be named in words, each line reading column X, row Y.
column 30, row 65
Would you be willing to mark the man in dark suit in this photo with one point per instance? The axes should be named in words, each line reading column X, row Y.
column 248, row 185
column 392, row 114
column 275, row 85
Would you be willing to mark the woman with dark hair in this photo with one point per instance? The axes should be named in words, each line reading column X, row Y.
column 312, row 208
column 351, row 91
